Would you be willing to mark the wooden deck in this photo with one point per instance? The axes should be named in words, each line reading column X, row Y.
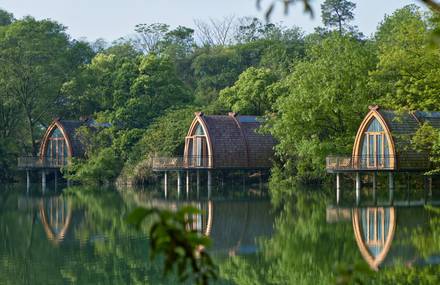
column 36, row 162
column 340, row 164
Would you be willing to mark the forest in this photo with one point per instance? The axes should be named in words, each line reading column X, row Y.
column 312, row 88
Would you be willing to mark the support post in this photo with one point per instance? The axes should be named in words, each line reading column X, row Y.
column 28, row 179
column 187, row 181
column 244, row 180
column 391, row 187
column 374, row 187
column 209, row 183
column 55, row 177
column 425, row 189
column 358, row 187
column 198, row 181
column 165, row 184
column 179, row 181
column 43, row 179
column 430, row 186
column 338, row 188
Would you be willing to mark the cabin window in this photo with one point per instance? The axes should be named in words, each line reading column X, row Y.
column 375, row 148
column 56, row 147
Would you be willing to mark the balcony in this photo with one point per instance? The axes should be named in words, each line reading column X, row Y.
column 36, row 162
column 384, row 163
column 181, row 162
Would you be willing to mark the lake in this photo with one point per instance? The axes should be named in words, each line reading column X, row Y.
column 78, row 235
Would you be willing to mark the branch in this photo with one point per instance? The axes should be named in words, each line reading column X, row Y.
column 433, row 5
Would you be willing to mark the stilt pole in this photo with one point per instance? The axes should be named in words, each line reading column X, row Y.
column 338, row 188
column 358, row 187
column 43, row 179
column 28, row 179
column 391, row 187
column 165, row 184
column 374, row 187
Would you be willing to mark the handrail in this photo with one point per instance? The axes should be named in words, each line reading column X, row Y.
column 182, row 162
column 41, row 162
column 387, row 162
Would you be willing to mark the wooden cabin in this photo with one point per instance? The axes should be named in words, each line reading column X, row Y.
column 60, row 141
column 383, row 143
column 222, row 142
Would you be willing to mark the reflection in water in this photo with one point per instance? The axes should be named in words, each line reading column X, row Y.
column 233, row 225
column 374, row 231
column 81, row 237
column 55, row 214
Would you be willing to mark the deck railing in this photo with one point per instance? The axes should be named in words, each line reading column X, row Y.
column 181, row 162
column 380, row 163
column 26, row 162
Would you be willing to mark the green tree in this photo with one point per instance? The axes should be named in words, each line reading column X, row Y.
column 321, row 104
column 408, row 67
column 337, row 13
column 6, row 18
column 35, row 60
column 252, row 93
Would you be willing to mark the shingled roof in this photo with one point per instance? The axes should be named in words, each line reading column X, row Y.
column 235, row 141
column 403, row 125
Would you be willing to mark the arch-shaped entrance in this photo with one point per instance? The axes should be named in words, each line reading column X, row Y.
column 56, row 146
column 198, row 151
column 374, row 146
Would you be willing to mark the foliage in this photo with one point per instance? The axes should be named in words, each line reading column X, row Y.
column 321, row 104
column 36, row 58
column 337, row 13
column 408, row 66
column 251, row 94
column 182, row 248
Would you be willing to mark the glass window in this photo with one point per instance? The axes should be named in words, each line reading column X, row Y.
column 374, row 126
column 199, row 130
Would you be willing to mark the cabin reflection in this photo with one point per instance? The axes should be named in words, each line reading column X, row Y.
column 374, row 231
column 383, row 234
column 56, row 216
column 234, row 226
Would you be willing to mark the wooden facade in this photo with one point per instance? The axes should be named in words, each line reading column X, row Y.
column 383, row 143
column 222, row 142
column 58, row 145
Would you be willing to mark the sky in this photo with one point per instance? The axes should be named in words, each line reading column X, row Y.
column 113, row 19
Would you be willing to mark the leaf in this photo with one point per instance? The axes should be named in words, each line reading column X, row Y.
column 138, row 215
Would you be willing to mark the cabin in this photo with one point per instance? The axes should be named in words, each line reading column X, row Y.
column 383, row 143
column 58, row 145
column 222, row 142
column 60, row 142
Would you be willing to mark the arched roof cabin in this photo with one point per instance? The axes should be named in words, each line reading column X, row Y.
column 383, row 142
column 227, row 141
column 60, row 140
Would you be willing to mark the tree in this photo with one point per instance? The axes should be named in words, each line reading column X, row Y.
column 408, row 67
column 6, row 18
column 321, row 104
column 337, row 13
column 251, row 94
column 215, row 32
column 149, row 36
column 35, row 60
